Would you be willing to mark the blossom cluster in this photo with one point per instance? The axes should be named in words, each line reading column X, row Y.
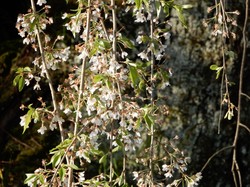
column 105, row 99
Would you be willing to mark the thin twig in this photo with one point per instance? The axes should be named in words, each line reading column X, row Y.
column 216, row 153
column 235, row 167
column 152, row 12
column 17, row 140
column 81, row 90
column 64, row 156
column 114, row 59
column 224, row 16
column 52, row 91
column 247, row 96
column 244, row 126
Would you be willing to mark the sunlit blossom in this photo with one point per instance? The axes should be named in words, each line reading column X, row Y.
column 42, row 129
column 140, row 17
column 58, row 119
column 67, row 111
column 41, row 2
column 81, row 176
column 135, row 174
column 143, row 56
column 124, row 54
column 52, row 126
column 23, row 120
column 37, row 86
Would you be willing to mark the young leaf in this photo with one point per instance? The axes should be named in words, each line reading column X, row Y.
column 213, row 67
column 56, row 158
column 62, row 172
column 134, row 76
column 16, row 80
column 27, row 122
column 178, row 8
column 30, row 177
column 27, row 69
column 98, row 78
column 148, row 120
column 73, row 166
column 138, row 4
column 20, row 84
column 41, row 179
column 127, row 42
column 116, row 149
column 103, row 160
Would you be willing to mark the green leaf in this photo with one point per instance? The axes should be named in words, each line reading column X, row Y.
column 104, row 44
column 73, row 166
column 30, row 177
column 98, row 78
column 134, row 76
column 86, row 156
column 62, row 172
column 96, row 152
column 138, row 4
column 119, row 142
column 63, row 145
column 41, row 179
column 16, row 80
column 27, row 122
column 213, row 67
column 148, row 120
column 166, row 10
column 19, row 71
column 56, row 158
column 103, row 160
column 178, row 8
column 108, row 83
column 27, row 69
column 20, row 83
column 116, row 149
column 142, row 84
column 158, row 8
column 127, row 42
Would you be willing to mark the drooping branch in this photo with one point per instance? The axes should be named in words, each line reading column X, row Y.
column 152, row 12
column 114, row 59
column 235, row 167
column 81, row 90
column 82, row 76
column 52, row 91
column 216, row 153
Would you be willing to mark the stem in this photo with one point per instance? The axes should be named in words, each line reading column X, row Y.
column 216, row 153
column 64, row 156
column 114, row 59
column 224, row 17
column 52, row 91
column 82, row 81
column 80, row 94
column 234, row 161
column 152, row 92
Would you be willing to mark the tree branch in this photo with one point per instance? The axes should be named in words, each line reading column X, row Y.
column 247, row 96
column 152, row 12
column 235, row 167
column 244, row 126
column 81, row 89
column 216, row 153
column 52, row 91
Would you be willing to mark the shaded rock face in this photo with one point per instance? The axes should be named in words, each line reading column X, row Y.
column 194, row 96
